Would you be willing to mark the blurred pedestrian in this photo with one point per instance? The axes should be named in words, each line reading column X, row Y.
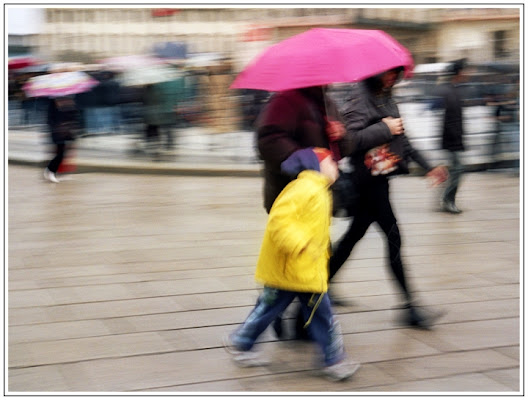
column 161, row 113
column 506, row 120
column 293, row 262
column 63, row 122
column 107, row 98
column 451, row 100
column 252, row 102
column 25, row 101
column 372, row 119
column 173, row 96
column 151, row 116
column 87, row 105
column 292, row 120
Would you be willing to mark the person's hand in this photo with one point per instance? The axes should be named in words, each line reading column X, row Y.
column 438, row 175
column 395, row 125
column 335, row 130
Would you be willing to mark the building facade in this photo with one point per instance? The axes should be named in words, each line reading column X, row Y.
column 431, row 34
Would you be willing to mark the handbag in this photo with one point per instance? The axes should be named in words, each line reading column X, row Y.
column 388, row 159
column 345, row 195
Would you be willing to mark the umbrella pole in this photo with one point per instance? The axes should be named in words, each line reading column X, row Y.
column 334, row 147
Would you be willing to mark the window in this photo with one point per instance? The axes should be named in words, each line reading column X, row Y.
column 499, row 44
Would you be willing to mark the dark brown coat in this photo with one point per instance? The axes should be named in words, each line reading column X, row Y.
column 290, row 121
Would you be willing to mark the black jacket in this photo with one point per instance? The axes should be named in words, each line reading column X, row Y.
column 63, row 120
column 453, row 130
column 363, row 112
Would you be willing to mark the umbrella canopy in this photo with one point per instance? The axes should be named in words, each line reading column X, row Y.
column 59, row 84
column 21, row 62
column 149, row 75
column 324, row 56
column 33, row 69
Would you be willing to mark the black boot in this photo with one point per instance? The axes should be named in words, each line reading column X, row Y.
column 450, row 207
column 338, row 301
column 419, row 317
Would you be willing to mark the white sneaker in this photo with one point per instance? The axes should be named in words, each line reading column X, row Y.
column 50, row 176
column 244, row 359
column 341, row 371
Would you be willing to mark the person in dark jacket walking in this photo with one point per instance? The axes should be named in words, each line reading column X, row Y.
column 107, row 110
column 63, row 119
column 292, row 120
column 372, row 119
column 450, row 97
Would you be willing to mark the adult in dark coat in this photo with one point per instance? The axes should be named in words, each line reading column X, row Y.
column 451, row 99
column 372, row 119
column 292, row 120
column 63, row 121
column 107, row 99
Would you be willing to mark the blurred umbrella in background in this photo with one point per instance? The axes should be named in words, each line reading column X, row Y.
column 34, row 69
column 149, row 75
column 15, row 63
column 66, row 67
column 59, row 84
column 324, row 56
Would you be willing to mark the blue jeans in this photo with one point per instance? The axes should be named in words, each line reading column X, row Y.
column 455, row 172
column 102, row 119
column 316, row 308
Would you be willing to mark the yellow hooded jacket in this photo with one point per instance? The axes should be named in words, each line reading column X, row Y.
column 296, row 245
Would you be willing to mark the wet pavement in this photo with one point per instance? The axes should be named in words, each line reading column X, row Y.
column 196, row 151
column 126, row 283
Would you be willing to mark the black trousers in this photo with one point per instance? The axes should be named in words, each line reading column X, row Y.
column 374, row 206
column 153, row 134
column 60, row 151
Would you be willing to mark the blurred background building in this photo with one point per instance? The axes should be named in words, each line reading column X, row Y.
column 218, row 42
column 432, row 34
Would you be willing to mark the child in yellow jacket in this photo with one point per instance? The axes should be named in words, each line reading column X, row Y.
column 293, row 262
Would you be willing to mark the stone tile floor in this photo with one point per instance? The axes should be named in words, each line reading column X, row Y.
column 126, row 283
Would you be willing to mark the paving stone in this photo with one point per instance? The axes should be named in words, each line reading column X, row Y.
column 124, row 283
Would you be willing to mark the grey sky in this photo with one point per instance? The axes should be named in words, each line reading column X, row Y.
column 24, row 20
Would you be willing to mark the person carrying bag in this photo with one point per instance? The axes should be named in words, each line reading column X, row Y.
column 373, row 121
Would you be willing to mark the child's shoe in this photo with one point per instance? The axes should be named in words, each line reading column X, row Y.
column 244, row 359
column 341, row 371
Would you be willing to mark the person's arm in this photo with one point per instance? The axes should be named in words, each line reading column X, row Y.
column 361, row 134
column 437, row 174
column 410, row 152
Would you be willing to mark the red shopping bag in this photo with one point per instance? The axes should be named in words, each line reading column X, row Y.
column 68, row 163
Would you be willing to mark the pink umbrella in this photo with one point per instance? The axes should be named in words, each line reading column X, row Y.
column 21, row 62
column 324, row 56
column 59, row 84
